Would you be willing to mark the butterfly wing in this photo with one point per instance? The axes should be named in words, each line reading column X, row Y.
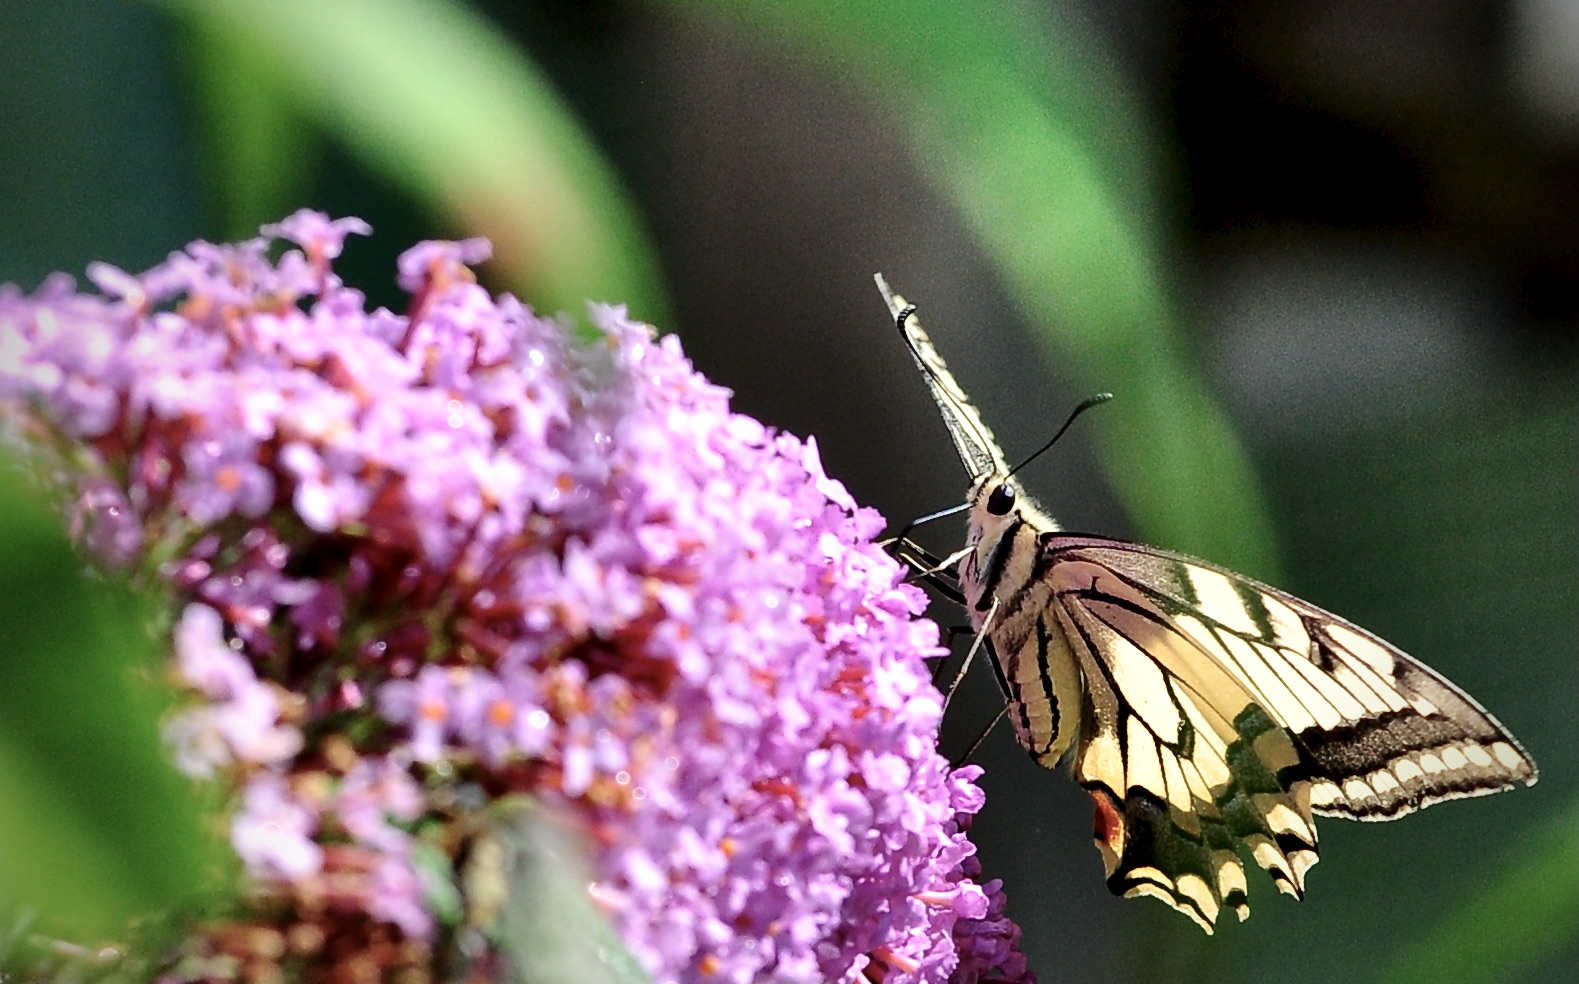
column 1224, row 712
column 977, row 448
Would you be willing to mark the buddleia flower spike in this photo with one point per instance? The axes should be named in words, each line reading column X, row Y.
column 423, row 565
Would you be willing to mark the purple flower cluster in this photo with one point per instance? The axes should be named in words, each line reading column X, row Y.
column 424, row 561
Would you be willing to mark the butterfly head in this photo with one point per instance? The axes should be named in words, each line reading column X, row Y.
column 998, row 500
column 995, row 503
column 1000, row 512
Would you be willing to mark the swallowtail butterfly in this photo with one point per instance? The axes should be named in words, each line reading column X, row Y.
column 1203, row 711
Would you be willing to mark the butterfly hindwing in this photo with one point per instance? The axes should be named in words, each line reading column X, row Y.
column 1182, row 762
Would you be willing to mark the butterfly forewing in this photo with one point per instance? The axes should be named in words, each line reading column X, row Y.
column 1380, row 733
column 1203, row 711
column 972, row 439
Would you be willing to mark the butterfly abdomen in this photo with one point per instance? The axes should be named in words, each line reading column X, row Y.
column 1010, row 602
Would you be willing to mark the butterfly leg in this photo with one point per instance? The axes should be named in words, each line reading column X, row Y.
column 970, row 656
column 930, row 568
column 926, row 566
column 949, row 635
column 904, row 533
column 1003, row 688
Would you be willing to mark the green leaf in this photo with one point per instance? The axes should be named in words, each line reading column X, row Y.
column 1521, row 918
column 427, row 94
column 1033, row 141
column 533, row 870
column 259, row 159
column 97, row 826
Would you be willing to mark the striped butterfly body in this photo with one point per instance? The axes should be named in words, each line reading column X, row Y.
column 1202, row 711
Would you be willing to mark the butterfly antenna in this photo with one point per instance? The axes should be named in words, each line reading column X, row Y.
column 902, row 312
column 931, row 517
column 1085, row 405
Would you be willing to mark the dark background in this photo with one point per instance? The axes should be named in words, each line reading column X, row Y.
column 1368, row 213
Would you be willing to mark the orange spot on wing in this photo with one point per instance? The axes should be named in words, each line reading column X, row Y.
column 1107, row 825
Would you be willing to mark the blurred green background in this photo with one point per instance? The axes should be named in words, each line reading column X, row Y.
column 1326, row 255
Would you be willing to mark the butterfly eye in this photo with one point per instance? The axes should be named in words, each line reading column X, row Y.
column 1001, row 500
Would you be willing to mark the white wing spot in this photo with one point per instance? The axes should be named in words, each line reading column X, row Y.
column 1231, row 876
column 1324, row 793
column 1376, row 657
column 1283, row 820
column 1507, row 755
column 1356, row 790
column 1194, row 888
column 1271, row 859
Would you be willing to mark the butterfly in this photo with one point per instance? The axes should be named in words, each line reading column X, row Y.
column 1203, row 711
